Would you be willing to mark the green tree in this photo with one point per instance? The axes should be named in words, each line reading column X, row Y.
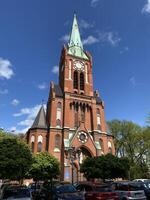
column 105, row 167
column 44, row 167
column 15, row 158
column 133, row 142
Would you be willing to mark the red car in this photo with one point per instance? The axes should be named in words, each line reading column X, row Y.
column 97, row 192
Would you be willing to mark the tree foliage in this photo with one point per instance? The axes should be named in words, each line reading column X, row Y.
column 15, row 158
column 105, row 167
column 133, row 142
column 44, row 167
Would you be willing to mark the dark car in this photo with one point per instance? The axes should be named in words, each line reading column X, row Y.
column 144, row 185
column 66, row 192
column 16, row 193
column 94, row 191
column 129, row 190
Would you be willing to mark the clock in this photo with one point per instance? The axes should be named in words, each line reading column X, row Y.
column 82, row 137
column 78, row 65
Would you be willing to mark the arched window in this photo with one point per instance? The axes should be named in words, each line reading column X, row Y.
column 32, row 143
column 57, row 141
column 110, row 150
column 75, row 80
column 101, row 143
column 70, row 69
column 76, row 119
column 58, row 123
column 98, row 119
column 39, row 149
column 32, row 147
column 81, row 81
column 40, row 140
column 109, row 147
column 58, row 115
column 86, row 74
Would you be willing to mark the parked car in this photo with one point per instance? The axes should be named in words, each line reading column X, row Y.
column 16, row 193
column 35, row 188
column 94, row 191
column 144, row 185
column 66, row 192
column 128, row 190
column 141, row 180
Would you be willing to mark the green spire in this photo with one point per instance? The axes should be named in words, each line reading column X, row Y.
column 75, row 46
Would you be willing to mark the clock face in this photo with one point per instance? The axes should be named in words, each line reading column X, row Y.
column 79, row 65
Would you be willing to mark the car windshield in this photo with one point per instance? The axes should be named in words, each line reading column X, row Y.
column 65, row 189
column 129, row 186
column 103, row 189
column 146, row 185
column 16, row 193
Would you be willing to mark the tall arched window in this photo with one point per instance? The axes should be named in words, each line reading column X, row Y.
column 81, row 81
column 39, row 149
column 57, row 141
column 109, row 147
column 70, row 69
column 75, row 80
column 98, row 119
column 101, row 144
column 32, row 147
column 58, row 115
column 58, row 123
column 40, row 140
column 32, row 143
column 76, row 119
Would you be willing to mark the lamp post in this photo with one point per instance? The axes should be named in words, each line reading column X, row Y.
column 73, row 154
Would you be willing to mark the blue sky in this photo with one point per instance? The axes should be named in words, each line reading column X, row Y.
column 116, row 32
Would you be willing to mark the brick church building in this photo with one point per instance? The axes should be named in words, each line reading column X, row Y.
column 74, row 125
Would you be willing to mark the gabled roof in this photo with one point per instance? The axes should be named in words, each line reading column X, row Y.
column 75, row 46
column 40, row 120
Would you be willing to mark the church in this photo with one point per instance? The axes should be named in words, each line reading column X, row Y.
column 73, row 126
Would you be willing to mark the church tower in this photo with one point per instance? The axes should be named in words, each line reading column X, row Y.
column 75, row 112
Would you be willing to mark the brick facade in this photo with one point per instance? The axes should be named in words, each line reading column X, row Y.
column 74, row 116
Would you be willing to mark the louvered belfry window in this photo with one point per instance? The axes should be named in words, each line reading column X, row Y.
column 81, row 81
column 75, row 79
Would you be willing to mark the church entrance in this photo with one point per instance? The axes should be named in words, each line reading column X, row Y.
column 83, row 155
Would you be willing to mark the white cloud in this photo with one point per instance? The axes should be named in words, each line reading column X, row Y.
column 110, row 37
column 5, row 69
column 42, row 86
column 90, row 40
column 30, row 114
column 26, row 122
column 55, row 69
column 146, row 8
column 132, row 80
column 14, row 130
column 125, row 49
column 94, row 3
column 15, row 102
column 5, row 91
column 65, row 38
column 85, row 25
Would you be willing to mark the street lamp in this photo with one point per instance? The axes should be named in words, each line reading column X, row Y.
column 73, row 154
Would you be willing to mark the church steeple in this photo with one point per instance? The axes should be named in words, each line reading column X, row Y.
column 40, row 120
column 75, row 46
